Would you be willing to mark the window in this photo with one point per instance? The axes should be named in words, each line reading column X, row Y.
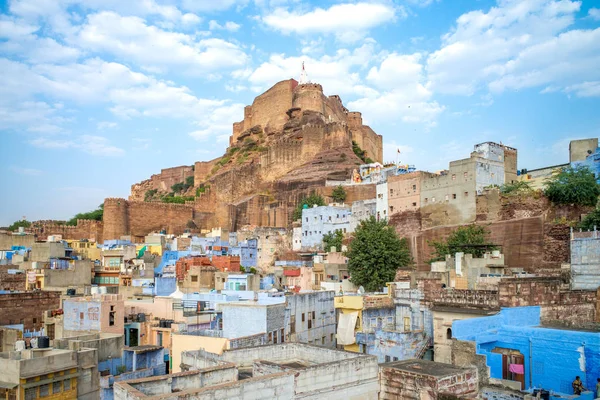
column 453, row 177
column 387, row 359
column 80, row 315
column 275, row 337
column 406, row 324
column 323, row 340
column 293, row 324
column 465, row 174
column 67, row 383
column 111, row 318
column 44, row 390
column 313, row 315
column 306, row 219
column 310, row 324
column 425, row 200
column 331, row 337
column 282, row 334
column 449, row 333
column 56, row 387
column 31, row 393
column 302, row 317
column 392, row 192
column 270, row 337
column 395, row 358
column 466, row 194
column 414, row 204
column 194, row 278
column 453, row 196
column 35, row 320
column 391, row 209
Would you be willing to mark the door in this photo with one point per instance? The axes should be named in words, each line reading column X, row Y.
column 519, row 359
column 133, row 337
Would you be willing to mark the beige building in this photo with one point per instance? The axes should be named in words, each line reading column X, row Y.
column 73, row 274
column 86, row 249
column 96, row 313
column 404, row 192
column 443, row 317
column 580, row 149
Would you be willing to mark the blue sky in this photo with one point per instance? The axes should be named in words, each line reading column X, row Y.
column 96, row 95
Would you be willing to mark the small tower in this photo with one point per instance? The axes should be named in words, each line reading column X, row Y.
column 303, row 76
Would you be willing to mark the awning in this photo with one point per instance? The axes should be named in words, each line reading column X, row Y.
column 8, row 385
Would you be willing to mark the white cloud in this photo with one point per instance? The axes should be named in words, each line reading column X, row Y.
column 106, row 125
column 218, row 126
column 348, row 22
column 212, row 5
column 94, row 145
column 484, row 45
column 228, row 26
column 337, row 73
column 131, row 38
column 422, row 3
column 190, row 19
column 403, row 94
column 31, row 116
column 585, row 89
column 25, row 171
column 594, row 13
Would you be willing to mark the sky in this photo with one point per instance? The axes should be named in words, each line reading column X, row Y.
column 96, row 95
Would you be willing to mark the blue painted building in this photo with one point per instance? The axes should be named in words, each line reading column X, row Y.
column 513, row 341
column 319, row 221
column 247, row 250
column 592, row 161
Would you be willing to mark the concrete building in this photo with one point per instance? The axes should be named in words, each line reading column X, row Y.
column 404, row 192
column 12, row 278
column 257, row 318
column 420, row 379
column 536, row 178
column 96, row 313
column 585, row 260
column 44, row 251
column 463, row 271
column 592, row 161
column 517, row 348
column 318, row 221
column 283, row 371
column 85, row 249
column 579, row 150
column 361, row 210
column 242, row 282
column 27, row 308
column 49, row 373
column 381, row 201
column 70, row 274
column 310, row 318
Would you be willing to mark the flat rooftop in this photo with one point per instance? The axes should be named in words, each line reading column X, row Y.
column 424, row 367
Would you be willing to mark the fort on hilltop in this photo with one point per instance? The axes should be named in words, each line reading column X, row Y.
column 291, row 140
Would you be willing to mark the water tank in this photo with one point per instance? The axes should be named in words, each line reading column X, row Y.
column 19, row 345
column 43, row 342
column 95, row 290
column 70, row 292
column 142, row 317
column 34, row 343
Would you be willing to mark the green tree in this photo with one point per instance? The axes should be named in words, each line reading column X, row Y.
column 95, row 215
column 339, row 194
column 375, row 254
column 334, row 238
column 178, row 187
column 516, row 187
column 591, row 220
column 149, row 195
column 18, row 224
column 309, row 201
column 471, row 239
column 573, row 185
column 189, row 181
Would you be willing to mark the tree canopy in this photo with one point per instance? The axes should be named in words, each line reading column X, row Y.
column 516, row 187
column 18, row 224
column 375, row 254
column 311, row 200
column 339, row 194
column 332, row 239
column 591, row 220
column 95, row 215
column 471, row 239
column 361, row 153
column 573, row 185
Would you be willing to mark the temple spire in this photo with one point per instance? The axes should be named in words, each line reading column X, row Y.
column 303, row 75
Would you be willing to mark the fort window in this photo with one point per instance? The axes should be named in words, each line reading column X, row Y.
column 453, row 196
column 466, row 194
column 449, row 333
column 391, row 209
column 425, row 200
column 414, row 204
column 111, row 318
column 302, row 317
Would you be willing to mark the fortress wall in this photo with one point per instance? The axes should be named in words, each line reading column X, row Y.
column 85, row 229
column 309, row 97
column 335, row 109
column 202, row 170
column 116, row 218
column 369, row 141
column 354, row 119
column 269, row 109
column 170, row 176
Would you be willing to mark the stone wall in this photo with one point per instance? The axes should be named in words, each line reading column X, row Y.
column 486, row 299
column 464, row 354
column 85, row 229
column 11, row 281
column 161, row 182
column 138, row 218
column 27, row 307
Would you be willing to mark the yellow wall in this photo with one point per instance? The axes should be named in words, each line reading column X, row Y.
column 151, row 248
column 189, row 342
column 62, row 395
column 348, row 304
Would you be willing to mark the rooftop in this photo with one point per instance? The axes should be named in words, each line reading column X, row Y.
column 424, row 367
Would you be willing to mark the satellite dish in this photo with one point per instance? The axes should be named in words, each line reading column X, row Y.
column 360, row 290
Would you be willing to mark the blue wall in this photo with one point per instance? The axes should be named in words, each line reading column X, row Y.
column 553, row 357
column 164, row 286
column 592, row 162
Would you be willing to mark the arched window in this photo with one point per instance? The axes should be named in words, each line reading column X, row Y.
column 449, row 333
